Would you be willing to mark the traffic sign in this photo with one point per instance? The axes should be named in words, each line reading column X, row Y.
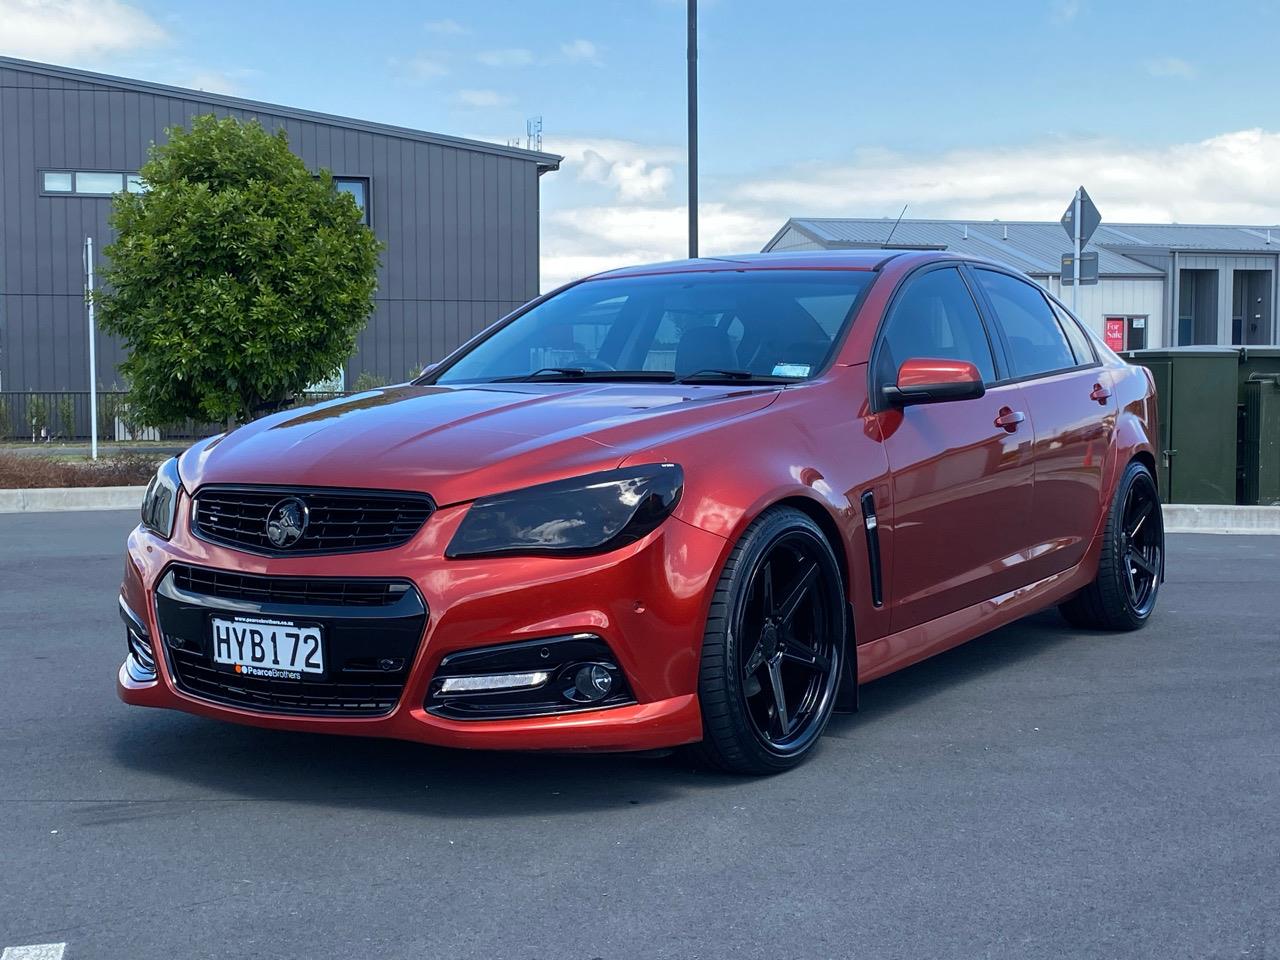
column 1089, row 218
column 1088, row 269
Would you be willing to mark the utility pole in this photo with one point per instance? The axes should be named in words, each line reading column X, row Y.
column 93, row 349
column 693, row 128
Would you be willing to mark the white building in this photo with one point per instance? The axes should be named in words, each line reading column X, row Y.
column 1159, row 284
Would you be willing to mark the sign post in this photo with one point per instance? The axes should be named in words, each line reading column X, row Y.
column 1075, row 264
column 1080, row 220
column 93, row 349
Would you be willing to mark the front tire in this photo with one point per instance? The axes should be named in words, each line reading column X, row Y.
column 1131, row 565
column 772, row 649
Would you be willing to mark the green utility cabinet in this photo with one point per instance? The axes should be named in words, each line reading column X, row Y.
column 1259, row 426
column 1198, row 390
column 1260, row 450
column 1257, row 360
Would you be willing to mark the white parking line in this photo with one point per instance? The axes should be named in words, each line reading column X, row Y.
column 36, row 951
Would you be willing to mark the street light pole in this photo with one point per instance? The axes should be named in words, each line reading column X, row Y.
column 93, row 349
column 693, row 128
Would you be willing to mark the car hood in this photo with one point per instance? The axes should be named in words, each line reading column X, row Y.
column 458, row 443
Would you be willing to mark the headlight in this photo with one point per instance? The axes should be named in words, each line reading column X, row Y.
column 588, row 514
column 160, row 502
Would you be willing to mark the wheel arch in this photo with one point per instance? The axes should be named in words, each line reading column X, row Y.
column 1148, row 460
column 820, row 514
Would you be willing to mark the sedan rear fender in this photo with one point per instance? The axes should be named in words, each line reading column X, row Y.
column 1136, row 424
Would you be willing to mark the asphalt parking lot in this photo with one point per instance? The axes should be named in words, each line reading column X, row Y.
column 1036, row 793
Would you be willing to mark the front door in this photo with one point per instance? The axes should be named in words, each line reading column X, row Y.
column 961, row 470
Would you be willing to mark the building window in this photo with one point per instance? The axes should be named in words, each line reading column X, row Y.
column 90, row 183
column 56, row 182
column 99, row 183
column 358, row 187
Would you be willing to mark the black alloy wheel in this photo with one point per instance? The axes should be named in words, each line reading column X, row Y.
column 1142, row 537
column 773, row 646
column 1131, row 564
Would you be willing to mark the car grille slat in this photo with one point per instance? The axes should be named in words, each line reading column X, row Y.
column 230, row 585
column 339, row 520
column 356, row 642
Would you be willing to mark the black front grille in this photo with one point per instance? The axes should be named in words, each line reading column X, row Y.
column 371, row 630
column 334, row 591
column 339, row 521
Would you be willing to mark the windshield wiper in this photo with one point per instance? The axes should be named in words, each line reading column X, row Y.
column 582, row 373
column 715, row 375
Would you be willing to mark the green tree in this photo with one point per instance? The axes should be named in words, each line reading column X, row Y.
column 236, row 279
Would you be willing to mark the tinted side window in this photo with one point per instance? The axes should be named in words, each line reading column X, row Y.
column 1078, row 339
column 935, row 317
column 1036, row 342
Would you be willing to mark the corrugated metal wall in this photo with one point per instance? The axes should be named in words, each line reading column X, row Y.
column 460, row 226
column 1226, row 265
column 1116, row 298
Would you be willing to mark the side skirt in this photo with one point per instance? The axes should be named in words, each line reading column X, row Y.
column 878, row 658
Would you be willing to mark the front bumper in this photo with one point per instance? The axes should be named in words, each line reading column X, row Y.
column 647, row 601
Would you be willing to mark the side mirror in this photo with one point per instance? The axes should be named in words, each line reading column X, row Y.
column 925, row 380
column 428, row 368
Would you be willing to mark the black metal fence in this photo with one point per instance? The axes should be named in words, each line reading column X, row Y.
column 51, row 416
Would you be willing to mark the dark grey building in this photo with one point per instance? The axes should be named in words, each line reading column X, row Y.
column 459, row 217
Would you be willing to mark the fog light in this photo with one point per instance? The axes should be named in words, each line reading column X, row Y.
column 495, row 681
column 593, row 681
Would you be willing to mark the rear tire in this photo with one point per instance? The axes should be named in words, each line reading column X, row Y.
column 772, row 648
column 1131, row 566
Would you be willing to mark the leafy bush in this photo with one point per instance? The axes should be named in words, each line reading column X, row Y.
column 237, row 279
column 37, row 417
column 368, row 381
column 108, row 410
column 67, row 416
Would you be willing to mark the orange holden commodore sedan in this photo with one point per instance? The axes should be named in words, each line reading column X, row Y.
column 690, row 503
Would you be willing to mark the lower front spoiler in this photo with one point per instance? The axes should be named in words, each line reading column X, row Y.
column 642, row 726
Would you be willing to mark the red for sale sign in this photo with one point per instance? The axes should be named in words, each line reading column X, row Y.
column 1114, row 333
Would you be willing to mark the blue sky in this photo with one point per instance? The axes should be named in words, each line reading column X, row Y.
column 1165, row 110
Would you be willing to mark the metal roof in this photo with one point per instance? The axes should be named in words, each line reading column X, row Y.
column 1036, row 247
column 545, row 161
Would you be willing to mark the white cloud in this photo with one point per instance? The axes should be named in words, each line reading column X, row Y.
column 67, row 30
column 581, row 50
column 633, row 179
column 1231, row 178
column 635, row 172
column 420, row 68
column 482, row 99
column 1170, row 67
column 450, row 28
column 584, row 240
column 513, row 57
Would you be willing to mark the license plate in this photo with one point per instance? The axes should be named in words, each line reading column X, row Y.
column 267, row 647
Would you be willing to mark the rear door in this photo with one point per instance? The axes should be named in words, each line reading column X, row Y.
column 962, row 483
column 1069, row 399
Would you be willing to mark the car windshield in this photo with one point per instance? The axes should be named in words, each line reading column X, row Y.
column 745, row 326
